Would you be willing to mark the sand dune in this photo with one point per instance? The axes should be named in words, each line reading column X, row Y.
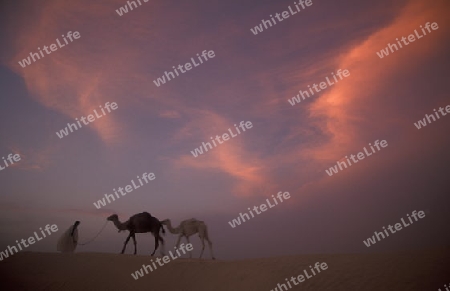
column 424, row 270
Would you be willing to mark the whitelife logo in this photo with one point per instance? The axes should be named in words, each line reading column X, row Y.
column 10, row 158
column 146, row 177
column 360, row 156
column 31, row 240
column 122, row 10
column 284, row 15
column 27, row 61
column 165, row 260
column 411, row 38
column 397, row 226
column 431, row 118
column 90, row 118
column 263, row 207
column 162, row 80
column 199, row 151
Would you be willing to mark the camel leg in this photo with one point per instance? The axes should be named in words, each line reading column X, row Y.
column 178, row 241
column 203, row 246
column 125, row 243
column 206, row 236
column 177, row 245
column 156, row 244
column 190, row 253
column 210, row 249
column 162, row 246
column 135, row 244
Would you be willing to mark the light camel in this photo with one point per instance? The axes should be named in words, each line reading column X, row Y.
column 188, row 228
column 140, row 223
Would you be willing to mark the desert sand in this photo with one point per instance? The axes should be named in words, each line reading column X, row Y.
column 408, row 271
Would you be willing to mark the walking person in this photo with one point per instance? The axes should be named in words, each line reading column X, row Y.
column 68, row 241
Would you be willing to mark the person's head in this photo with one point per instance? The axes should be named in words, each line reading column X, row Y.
column 76, row 223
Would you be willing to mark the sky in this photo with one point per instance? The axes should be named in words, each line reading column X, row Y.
column 250, row 78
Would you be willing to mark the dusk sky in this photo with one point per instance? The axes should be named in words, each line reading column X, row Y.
column 250, row 78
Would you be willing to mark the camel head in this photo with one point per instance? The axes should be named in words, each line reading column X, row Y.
column 113, row 217
column 168, row 223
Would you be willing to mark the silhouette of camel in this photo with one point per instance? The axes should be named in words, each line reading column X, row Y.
column 140, row 223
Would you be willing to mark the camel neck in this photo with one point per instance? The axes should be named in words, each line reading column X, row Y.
column 119, row 225
column 171, row 229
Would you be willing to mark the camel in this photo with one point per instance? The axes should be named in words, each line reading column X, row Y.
column 140, row 223
column 190, row 227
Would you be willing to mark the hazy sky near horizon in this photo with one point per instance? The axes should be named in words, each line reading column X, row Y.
column 249, row 79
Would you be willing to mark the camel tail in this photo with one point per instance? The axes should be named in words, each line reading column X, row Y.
column 162, row 228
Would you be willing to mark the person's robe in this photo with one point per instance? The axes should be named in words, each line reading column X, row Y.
column 68, row 243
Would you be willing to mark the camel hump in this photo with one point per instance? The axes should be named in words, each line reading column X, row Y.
column 193, row 221
column 142, row 215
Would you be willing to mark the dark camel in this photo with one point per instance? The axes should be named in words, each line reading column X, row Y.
column 140, row 223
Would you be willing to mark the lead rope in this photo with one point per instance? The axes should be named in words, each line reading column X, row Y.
column 95, row 235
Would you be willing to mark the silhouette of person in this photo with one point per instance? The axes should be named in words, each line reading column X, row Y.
column 68, row 241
